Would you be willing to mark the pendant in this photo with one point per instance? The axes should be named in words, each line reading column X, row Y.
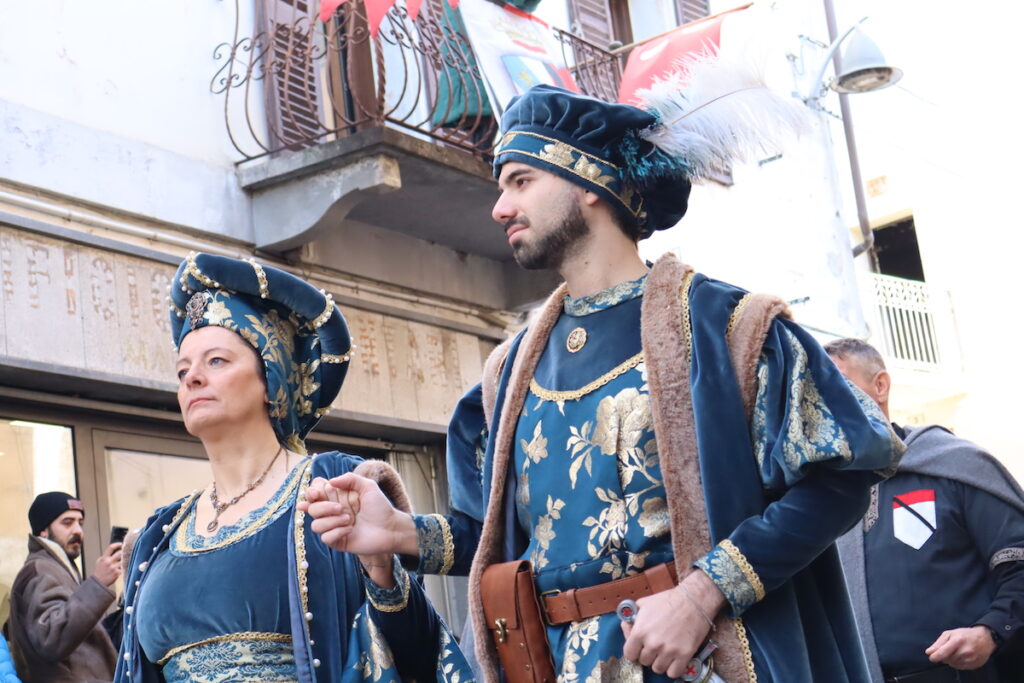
column 212, row 525
column 576, row 339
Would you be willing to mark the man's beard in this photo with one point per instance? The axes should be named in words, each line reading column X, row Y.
column 71, row 549
column 550, row 250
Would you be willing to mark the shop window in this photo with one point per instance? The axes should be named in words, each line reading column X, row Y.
column 35, row 457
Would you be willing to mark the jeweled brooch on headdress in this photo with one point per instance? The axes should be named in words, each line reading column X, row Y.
column 195, row 309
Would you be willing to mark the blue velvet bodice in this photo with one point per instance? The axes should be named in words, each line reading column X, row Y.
column 223, row 597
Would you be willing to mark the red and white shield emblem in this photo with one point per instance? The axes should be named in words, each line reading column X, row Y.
column 913, row 517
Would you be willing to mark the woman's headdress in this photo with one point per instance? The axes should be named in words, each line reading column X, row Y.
column 297, row 330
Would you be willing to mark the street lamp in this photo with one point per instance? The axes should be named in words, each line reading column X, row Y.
column 861, row 69
column 865, row 71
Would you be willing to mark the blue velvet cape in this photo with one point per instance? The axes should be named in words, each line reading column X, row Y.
column 333, row 638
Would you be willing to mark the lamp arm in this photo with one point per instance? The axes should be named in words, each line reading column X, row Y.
column 814, row 92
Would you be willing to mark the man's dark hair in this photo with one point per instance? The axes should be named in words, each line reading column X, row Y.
column 861, row 350
column 630, row 226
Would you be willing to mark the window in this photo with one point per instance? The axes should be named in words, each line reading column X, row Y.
column 35, row 457
column 897, row 250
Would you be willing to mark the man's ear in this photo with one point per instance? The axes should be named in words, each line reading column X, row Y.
column 590, row 198
column 882, row 384
column 45, row 533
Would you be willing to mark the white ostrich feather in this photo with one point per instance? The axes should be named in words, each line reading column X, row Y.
column 714, row 112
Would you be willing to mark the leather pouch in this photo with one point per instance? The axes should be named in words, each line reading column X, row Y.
column 514, row 618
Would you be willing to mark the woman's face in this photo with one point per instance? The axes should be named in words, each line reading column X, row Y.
column 220, row 381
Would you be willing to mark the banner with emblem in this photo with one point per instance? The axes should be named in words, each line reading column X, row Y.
column 515, row 50
column 913, row 517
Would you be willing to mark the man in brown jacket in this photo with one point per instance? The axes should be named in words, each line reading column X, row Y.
column 54, row 625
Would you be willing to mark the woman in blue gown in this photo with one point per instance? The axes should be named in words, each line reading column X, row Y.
column 229, row 583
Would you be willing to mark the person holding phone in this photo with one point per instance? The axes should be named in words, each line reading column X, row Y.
column 230, row 583
column 55, row 628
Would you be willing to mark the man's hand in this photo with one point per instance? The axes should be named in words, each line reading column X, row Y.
column 669, row 629
column 963, row 648
column 108, row 566
column 352, row 515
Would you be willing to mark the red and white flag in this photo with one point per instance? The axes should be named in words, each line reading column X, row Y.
column 913, row 517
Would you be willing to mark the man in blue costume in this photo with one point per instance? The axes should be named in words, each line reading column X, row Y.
column 649, row 423
column 936, row 569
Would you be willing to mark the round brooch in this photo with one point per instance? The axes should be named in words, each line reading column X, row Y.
column 576, row 339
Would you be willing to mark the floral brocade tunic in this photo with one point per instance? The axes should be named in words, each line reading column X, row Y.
column 588, row 474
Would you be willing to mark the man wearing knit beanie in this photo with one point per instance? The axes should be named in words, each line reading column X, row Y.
column 54, row 625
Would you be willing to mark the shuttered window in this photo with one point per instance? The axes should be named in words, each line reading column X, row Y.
column 691, row 10
column 292, row 91
column 592, row 21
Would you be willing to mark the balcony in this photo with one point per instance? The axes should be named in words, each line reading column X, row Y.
column 913, row 326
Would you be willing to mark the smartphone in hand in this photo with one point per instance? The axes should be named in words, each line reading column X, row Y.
column 117, row 534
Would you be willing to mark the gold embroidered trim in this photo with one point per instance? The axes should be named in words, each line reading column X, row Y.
column 300, row 545
column 174, row 307
column 748, row 657
column 508, row 137
column 449, row 544
column 621, row 199
column 183, row 509
column 576, row 394
column 192, row 269
column 261, row 278
column 684, row 306
column 246, row 635
column 736, row 313
column 318, row 322
column 748, row 571
column 403, row 583
column 249, row 530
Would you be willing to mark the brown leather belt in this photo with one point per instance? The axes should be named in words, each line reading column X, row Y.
column 561, row 607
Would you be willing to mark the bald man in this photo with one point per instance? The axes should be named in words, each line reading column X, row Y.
column 936, row 569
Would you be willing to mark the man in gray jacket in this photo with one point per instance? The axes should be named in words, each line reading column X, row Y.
column 54, row 626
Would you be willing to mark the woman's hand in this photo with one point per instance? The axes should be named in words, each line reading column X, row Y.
column 353, row 515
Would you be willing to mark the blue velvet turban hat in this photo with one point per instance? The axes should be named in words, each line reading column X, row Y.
column 295, row 328
column 596, row 145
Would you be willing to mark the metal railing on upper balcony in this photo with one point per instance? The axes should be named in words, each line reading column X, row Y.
column 597, row 71
column 911, row 323
column 299, row 82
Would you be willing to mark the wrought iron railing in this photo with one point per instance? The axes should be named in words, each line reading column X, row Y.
column 911, row 323
column 597, row 71
column 298, row 82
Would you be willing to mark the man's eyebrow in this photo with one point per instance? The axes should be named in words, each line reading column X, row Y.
column 512, row 176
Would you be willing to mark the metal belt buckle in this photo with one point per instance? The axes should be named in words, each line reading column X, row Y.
column 544, row 605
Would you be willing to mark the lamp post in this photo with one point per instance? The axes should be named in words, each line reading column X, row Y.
column 865, row 71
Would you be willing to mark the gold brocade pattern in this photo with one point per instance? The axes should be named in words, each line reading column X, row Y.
column 544, row 532
column 377, row 658
column 576, row 394
column 812, row 434
column 248, row 528
column 748, row 571
column 231, row 637
column 606, row 298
